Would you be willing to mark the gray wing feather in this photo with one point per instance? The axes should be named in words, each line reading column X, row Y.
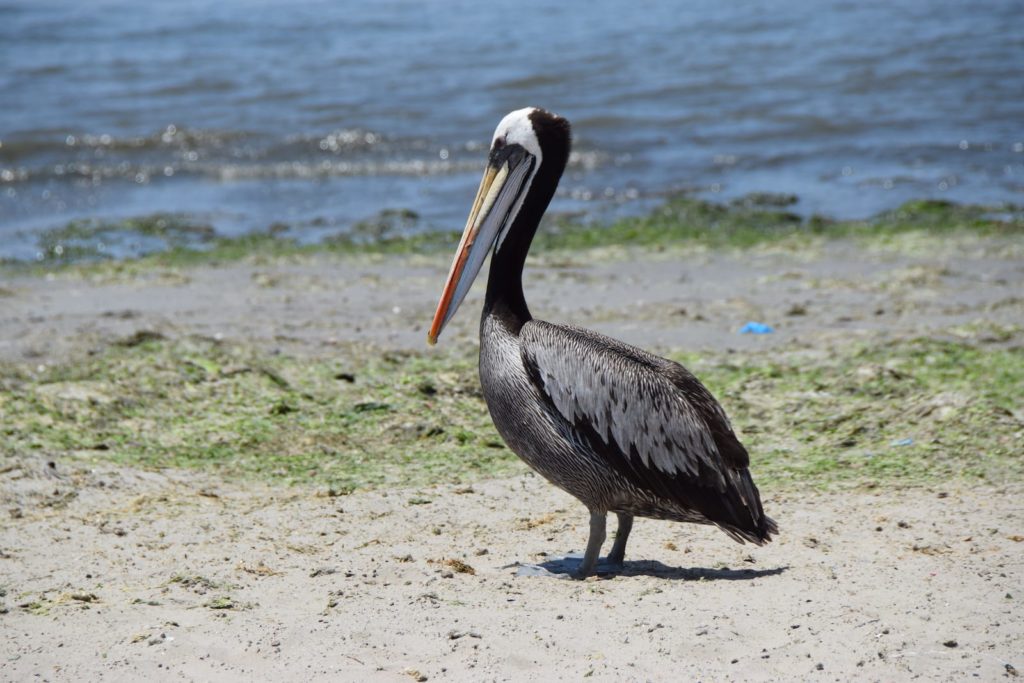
column 622, row 393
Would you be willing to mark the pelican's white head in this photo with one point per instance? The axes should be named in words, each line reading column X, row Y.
column 517, row 129
column 514, row 162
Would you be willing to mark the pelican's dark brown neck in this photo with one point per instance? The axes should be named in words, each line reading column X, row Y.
column 505, row 281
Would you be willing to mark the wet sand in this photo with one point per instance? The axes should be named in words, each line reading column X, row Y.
column 814, row 296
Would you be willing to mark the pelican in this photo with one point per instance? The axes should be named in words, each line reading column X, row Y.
column 616, row 427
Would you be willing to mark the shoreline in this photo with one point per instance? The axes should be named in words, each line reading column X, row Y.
column 679, row 295
column 757, row 219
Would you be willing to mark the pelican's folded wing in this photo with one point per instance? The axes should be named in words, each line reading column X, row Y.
column 650, row 419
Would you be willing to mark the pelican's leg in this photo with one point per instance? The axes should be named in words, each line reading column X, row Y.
column 618, row 554
column 597, row 535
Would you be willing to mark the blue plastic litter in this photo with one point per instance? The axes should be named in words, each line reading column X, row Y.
column 756, row 328
column 902, row 442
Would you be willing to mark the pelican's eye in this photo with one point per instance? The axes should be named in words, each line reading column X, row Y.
column 499, row 143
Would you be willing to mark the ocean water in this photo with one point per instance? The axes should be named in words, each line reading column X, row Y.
column 317, row 115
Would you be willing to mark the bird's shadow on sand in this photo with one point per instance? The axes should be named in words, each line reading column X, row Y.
column 564, row 567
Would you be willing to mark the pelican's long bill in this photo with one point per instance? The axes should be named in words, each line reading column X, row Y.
column 502, row 190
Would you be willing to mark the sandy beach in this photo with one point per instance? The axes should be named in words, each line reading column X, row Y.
column 117, row 573
column 175, row 577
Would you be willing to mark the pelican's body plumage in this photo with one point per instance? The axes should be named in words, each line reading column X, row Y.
column 618, row 428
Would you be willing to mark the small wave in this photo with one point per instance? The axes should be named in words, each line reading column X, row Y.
column 239, row 155
column 29, row 145
column 142, row 174
column 326, row 169
column 531, row 81
column 192, row 86
column 588, row 160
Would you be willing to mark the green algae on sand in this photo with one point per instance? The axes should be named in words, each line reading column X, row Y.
column 917, row 411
